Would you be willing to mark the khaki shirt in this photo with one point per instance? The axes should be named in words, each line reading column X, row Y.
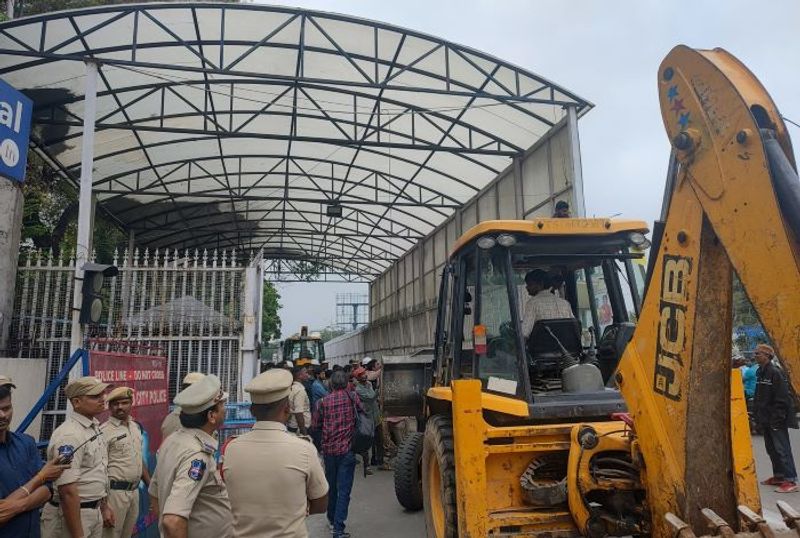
column 187, row 484
column 124, row 455
column 89, row 463
column 271, row 474
column 171, row 423
column 298, row 403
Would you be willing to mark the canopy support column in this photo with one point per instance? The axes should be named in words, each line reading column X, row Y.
column 83, row 246
column 575, row 156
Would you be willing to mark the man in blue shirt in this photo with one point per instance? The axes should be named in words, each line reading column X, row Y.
column 22, row 481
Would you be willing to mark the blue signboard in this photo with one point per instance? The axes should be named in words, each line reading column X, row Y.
column 16, row 111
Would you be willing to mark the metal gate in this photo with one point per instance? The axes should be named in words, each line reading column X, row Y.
column 187, row 303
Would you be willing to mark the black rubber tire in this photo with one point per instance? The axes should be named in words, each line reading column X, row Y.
column 438, row 449
column 407, row 472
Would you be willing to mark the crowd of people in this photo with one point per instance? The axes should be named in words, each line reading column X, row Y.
column 297, row 459
column 89, row 485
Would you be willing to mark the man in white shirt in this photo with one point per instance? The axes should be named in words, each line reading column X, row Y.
column 542, row 303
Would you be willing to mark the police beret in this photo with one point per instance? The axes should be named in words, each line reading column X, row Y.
column 193, row 377
column 120, row 393
column 85, row 386
column 271, row 386
column 200, row 395
column 5, row 380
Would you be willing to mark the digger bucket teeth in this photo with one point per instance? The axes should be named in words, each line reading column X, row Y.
column 790, row 516
column 755, row 526
column 718, row 525
column 754, row 522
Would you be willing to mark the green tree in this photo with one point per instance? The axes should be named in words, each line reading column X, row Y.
column 270, row 321
column 50, row 208
column 330, row 332
column 743, row 311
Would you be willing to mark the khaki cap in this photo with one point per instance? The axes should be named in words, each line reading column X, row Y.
column 5, row 380
column 271, row 386
column 85, row 386
column 200, row 395
column 193, row 377
column 120, row 393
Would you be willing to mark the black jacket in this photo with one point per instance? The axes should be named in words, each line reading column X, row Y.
column 773, row 403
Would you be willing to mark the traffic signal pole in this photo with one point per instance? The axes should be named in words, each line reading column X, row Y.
column 83, row 247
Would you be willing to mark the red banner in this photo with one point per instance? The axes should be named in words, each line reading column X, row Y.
column 145, row 374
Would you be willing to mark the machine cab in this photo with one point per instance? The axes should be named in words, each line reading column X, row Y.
column 304, row 346
column 553, row 343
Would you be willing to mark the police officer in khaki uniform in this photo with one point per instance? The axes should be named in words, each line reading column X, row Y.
column 125, row 465
column 299, row 403
column 186, row 486
column 78, row 508
column 268, row 454
column 171, row 422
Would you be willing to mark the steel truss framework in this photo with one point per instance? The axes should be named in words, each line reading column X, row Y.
column 232, row 125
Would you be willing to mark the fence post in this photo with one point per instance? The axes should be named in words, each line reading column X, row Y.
column 249, row 333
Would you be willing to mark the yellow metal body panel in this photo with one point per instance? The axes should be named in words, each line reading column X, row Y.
column 492, row 402
column 744, row 466
column 489, row 461
column 549, row 227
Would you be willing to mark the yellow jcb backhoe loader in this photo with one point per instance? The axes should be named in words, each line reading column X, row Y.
column 625, row 417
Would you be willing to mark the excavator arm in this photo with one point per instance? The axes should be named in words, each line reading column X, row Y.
column 733, row 205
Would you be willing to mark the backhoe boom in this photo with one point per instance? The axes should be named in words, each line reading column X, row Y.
column 724, row 215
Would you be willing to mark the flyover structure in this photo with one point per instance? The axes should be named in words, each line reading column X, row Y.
column 335, row 147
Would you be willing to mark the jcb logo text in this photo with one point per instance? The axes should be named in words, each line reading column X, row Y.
column 672, row 327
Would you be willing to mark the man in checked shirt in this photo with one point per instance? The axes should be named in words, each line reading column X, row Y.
column 542, row 303
column 335, row 417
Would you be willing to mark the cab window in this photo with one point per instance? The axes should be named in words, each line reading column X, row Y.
column 497, row 368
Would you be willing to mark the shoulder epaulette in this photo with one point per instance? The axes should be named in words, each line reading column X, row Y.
column 206, row 447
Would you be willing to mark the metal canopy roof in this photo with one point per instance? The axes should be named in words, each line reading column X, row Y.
column 237, row 125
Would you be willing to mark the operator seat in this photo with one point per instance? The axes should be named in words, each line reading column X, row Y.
column 545, row 354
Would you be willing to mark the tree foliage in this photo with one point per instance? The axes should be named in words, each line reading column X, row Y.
column 270, row 321
column 330, row 332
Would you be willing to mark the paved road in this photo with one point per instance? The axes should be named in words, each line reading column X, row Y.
column 375, row 512
column 764, row 470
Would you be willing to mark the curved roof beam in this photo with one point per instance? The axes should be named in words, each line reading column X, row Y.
column 353, row 98
column 153, row 89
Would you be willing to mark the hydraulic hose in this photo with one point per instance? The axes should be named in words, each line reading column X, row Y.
column 785, row 181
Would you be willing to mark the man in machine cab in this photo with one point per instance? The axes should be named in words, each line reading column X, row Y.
column 543, row 302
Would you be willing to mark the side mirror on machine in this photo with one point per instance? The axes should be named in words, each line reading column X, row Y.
column 94, row 275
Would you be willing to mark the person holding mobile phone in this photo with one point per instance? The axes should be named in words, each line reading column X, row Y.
column 24, row 481
column 78, row 508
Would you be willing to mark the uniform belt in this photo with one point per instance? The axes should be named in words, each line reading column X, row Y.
column 126, row 486
column 87, row 504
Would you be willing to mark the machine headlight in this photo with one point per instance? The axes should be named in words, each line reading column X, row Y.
column 506, row 240
column 486, row 242
column 638, row 240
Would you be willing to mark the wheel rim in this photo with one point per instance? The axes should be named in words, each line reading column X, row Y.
column 435, row 495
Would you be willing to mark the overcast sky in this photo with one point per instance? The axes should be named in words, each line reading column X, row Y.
column 607, row 52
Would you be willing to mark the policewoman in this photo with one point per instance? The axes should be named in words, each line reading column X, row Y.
column 78, row 507
column 186, row 486
column 172, row 421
